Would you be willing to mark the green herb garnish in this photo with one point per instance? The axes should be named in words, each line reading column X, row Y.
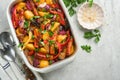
column 37, row 0
column 44, row 31
column 47, row 55
column 42, row 43
column 67, row 2
column 36, row 50
column 26, row 24
column 48, row 16
column 90, row 3
column 51, row 42
column 88, row 35
column 87, row 48
column 20, row 45
column 50, row 61
column 33, row 37
column 74, row 3
column 50, row 33
column 93, row 34
column 71, row 11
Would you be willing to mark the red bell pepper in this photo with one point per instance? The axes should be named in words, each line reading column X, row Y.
column 14, row 17
column 40, row 56
column 68, row 38
column 59, row 51
column 69, row 47
column 33, row 7
column 61, row 19
column 36, row 43
column 31, row 53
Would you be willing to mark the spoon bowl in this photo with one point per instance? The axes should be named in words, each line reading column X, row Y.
column 9, row 54
column 6, row 39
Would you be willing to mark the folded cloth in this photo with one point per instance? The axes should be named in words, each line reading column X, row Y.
column 3, row 75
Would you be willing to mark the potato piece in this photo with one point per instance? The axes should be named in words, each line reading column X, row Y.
column 40, row 1
column 46, row 21
column 26, row 38
column 62, row 54
column 72, row 50
column 43, row 50
column 30, row 46
column 28, row 14
column 60, row 38
column 46, row 36
column 49, row 1
column 21, row 5
column 56, row 25
column 43, row 13
column 43, row 63
column 52, row 49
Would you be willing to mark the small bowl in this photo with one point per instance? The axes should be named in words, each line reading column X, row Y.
column 90, row 17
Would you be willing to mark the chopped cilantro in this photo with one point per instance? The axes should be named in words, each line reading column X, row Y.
column 93, row 34
column 48, row 16
column 71, row 11
column 44, row 31
column 33, row 37
column 51, row 42
column 20, row 45
column 50, row 61
column 41, row 42
column 87, row 48
column 47, row 55
column 26, row 24
column 50, row 33
column 36, row 50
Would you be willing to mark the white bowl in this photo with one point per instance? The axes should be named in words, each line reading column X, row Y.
column 90, row 17
column 21, row 53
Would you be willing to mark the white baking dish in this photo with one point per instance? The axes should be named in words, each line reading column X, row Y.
column 20, row 52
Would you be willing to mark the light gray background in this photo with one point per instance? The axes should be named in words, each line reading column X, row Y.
column 104, row 61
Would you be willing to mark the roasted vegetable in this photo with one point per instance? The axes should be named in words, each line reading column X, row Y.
column 43, row 31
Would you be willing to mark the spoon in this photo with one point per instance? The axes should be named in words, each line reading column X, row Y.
column 6, row 39
column 8, row 55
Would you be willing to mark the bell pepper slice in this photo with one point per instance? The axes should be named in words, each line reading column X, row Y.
column 69, row 47
column 61, row 19
column 31, row 53
column 14, row 17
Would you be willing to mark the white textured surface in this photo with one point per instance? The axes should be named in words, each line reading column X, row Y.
column 104, row 61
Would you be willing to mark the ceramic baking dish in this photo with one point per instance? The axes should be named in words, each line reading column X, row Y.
column 20, row 52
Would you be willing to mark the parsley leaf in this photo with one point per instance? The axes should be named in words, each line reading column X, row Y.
column 71, row 11
column 67, row 3
column 26, row 24
column 50, row 33
column 48, row 16
column 20, row 45
column 93, row 34
column 87, row 48
column 42, row 43
column 88, row 35
column 51, row 42
column 90, row 2
column 36, row 50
